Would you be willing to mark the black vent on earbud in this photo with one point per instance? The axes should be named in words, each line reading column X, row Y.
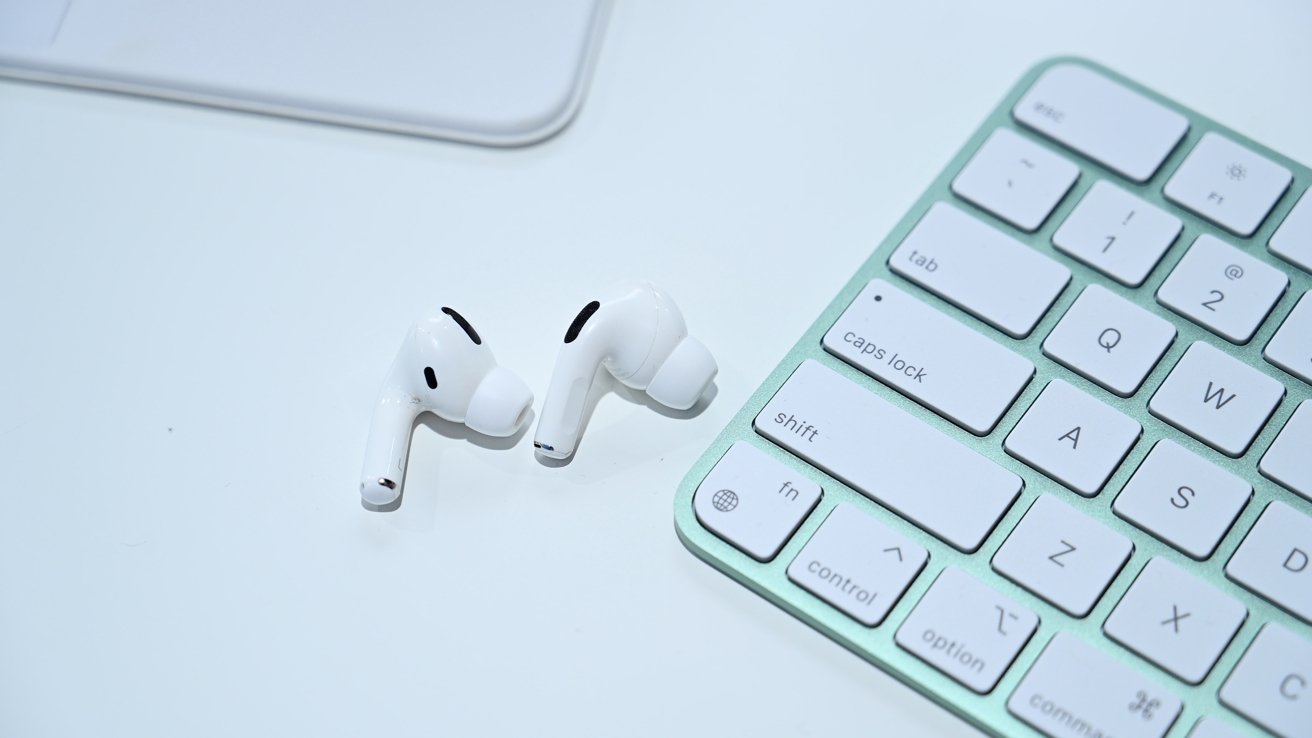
column 580, row 319
column 430, row 378
column 464, row 324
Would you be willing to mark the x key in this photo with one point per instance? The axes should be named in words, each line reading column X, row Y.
column 1162, row 587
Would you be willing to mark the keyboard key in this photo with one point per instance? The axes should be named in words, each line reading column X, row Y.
column 1217, row 399
column 1175, row 620
column 1072, row 438
column 890, row 456
column 949, row 253
column 1291, row 346
column 754, row 502
column 1273, row 560
column 1062, row 555
column 1015, row 179
column 1272, row 685
column 1227, row 184
column 1117, row 233
column 1074, row 690
column 1213, row 728
column 858, row 564
column 1223, row 289
column 1104, row 120
column 936, row 360
column 966, row 630
column 1183, row 499
column 1287, row 459
column 1109, row 340
column 1293, row 239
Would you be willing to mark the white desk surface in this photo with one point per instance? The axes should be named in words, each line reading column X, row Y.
column 197, row 307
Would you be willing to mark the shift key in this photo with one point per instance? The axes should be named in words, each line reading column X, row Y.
column 932, row 358
column 888, row 455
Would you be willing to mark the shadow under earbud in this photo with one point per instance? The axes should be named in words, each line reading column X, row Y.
column 454, row 431
column 604, row 383
column 462, row 432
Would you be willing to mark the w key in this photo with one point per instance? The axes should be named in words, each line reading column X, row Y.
column 1217, row 399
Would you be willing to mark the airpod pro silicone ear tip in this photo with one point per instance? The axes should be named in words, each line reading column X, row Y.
column 500, row 404
column 684, row 376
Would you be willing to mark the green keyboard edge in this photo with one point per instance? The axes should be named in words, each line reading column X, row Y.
column 876, row 645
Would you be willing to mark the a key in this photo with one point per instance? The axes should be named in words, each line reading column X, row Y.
column 1291, row 347
column 1015, row 179
column 1109, row 340
column 1292, row 241
column 1104, row 120
column 1175, row 620
column 965, row 629
column 1117, row 233
column 1223, row 289
column 1073, row 438
column 1272, row 684
column 949, row 250
column 857, row 564
column 754, row 502
column 957, row 371
column 1227, row 184
column 890, row 456
column 1074, row 690
column 1217, row 399
column 1062, row 555
column 1287, row 460
column 1183, row 499
column 1273, row 560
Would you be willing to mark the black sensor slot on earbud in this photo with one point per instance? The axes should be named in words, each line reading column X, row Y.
column 430, row 377
column 464, row 325
column 580, row 319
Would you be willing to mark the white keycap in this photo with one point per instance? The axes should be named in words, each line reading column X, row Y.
column 1109, row 340
column 857, row 564
column 754, row 502
column 1223, row 289
column 936, row 360
column 980, row 269
column 1217, row 399
column 1273, row 560
column 1073, row 438
column 1213, row 728
column 1289, row 460
column 1062, row 555
column 1291, row 346
column 1228, row 184
column 1106, row 121
column 1183, row 499
column 966, row 630
column 1117, row 233
column 1074, row 690
column 1015, row 179
column 888, row 455
column 1292, row 241
column 1272, row 685
column 1175, row 620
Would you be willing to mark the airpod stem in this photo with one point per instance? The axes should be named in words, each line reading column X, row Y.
column 562, row 411
column 388, row 447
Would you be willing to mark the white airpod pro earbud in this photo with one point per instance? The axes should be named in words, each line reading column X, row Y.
column 442, row 368
column 637, row 332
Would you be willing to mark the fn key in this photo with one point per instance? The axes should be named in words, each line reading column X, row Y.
column 754, row 502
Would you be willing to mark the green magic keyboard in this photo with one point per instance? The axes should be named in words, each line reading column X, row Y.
column 1047, row 456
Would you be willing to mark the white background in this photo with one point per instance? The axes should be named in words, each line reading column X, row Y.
column 197, row 307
